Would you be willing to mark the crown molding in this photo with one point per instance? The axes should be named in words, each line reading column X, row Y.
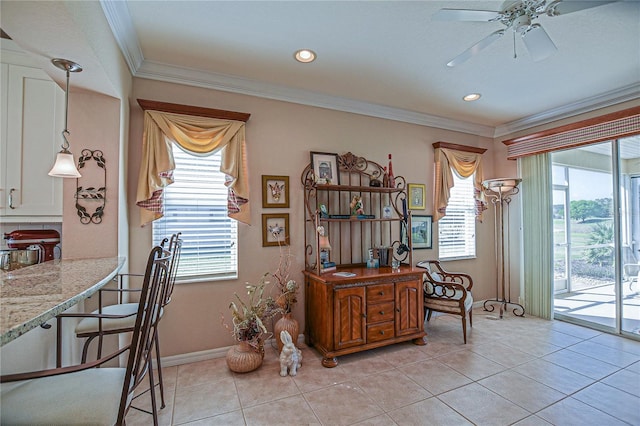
column 618, row 96
column 227, row 83
column 119, row 20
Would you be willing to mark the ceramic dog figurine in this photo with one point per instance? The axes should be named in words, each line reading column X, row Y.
column 290, row 357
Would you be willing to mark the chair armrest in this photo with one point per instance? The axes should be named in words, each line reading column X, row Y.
column 63, row 370
column 457, row 277
column 88, row 315
column 122, row 290
column 444, row 290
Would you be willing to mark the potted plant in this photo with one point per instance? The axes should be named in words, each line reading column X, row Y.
column 286, row 300
column 248, row 329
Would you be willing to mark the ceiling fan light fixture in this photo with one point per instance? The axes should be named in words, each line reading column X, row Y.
column 471, row 97
column 521, row 23
column 305, row 56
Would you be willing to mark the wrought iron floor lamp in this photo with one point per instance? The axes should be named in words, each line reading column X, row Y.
column 500, row 191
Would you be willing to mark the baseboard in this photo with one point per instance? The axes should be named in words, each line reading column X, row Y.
column 170, row 361
column 173, row 360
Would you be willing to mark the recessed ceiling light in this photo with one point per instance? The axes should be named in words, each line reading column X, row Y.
column 471, row 97
column 305, row 56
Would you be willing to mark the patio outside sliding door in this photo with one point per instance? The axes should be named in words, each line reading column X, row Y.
column 596, row 250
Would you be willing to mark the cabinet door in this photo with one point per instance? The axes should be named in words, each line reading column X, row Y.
column 4, row 85
column 409, row 314
column 35, row 120
column 349, row 317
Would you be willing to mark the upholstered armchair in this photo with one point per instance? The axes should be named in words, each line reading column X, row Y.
column 447, row 292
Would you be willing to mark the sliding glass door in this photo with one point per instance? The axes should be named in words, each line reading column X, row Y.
column 596, row 251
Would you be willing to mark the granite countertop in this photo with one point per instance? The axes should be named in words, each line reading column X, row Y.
column 33, row 295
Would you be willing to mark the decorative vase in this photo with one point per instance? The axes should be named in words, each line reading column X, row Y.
column 289, row 323
column 242, row 358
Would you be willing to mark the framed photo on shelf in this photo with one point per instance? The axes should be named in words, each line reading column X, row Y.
column 417, row 193
column 421, row 236
column 325, row 168
column 275, row 229
column 275, row 191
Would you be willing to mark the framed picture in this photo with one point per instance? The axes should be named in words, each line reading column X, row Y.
column 275, row 229
column 421, row 227
column 417, row 193
column 325, row 168
column 275, row 191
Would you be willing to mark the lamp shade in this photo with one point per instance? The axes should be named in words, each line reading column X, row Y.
column 65, row 166
column 324, row 242
column 501, row 184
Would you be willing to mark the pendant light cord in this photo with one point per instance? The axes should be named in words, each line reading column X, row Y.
column 65, row 132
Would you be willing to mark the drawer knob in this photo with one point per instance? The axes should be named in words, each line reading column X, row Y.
column 381, row 293
column 381, row 312
column 381, row 331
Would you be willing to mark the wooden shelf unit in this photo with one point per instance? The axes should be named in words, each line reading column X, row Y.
column 376, row 306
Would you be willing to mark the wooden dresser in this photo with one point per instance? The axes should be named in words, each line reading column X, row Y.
column 374, row 308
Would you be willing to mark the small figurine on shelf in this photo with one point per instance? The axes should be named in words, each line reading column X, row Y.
column 356, row 205
column 324, row 213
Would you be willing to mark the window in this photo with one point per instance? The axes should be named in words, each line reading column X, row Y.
column 457, row 230
column 196, row 205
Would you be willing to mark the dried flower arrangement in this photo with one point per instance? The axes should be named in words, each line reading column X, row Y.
column 249, row 316
column 288, row 287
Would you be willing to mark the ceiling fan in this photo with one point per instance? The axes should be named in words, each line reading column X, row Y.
column 519, row 17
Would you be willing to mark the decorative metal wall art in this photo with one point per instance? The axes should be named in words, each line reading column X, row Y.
column 88, row 197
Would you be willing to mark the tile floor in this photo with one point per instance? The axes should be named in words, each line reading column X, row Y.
column 523, row 371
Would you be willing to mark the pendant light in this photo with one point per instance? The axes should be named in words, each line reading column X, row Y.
column 65, row 165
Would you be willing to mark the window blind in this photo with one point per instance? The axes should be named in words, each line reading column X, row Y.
column 196, row 205
column 457, row 230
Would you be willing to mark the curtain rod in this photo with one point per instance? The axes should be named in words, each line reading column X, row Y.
column 193, row 110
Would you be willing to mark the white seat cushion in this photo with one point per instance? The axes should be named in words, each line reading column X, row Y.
column 468, row 302
column 89, row 397
column 88, row 325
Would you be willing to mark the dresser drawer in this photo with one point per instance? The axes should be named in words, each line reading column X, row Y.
column 379, row 293
column 380, row 331
column 380, row 312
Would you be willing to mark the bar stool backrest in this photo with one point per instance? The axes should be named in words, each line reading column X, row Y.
column 154, row 286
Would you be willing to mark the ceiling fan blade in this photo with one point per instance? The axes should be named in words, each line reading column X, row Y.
column 476, row 48
column 538, row 43
column 464, row 15
column 562, row 7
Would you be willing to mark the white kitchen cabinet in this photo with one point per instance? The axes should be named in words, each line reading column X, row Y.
column 32, row 124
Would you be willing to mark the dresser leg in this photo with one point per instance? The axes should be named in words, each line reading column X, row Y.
column 329, row 362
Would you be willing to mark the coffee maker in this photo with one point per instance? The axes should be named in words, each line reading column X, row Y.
column 44, row 239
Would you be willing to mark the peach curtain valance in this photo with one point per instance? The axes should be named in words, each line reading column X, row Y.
column 465, row 164
column 200, row 136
